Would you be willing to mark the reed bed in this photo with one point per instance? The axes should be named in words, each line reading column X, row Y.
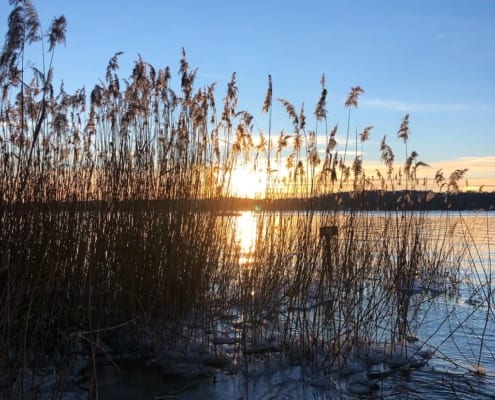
column 113, row 229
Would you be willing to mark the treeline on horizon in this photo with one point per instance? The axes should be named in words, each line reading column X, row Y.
column 372, row 200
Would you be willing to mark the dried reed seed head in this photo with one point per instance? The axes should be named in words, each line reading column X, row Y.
column 298, row 141
column 403, row 131
column 352, row 98
column 291, row 111
column 357, row 166
column 283, row 139
column 334, row 130
column 262, row 143
column 268, row 98
column 57, row 32
column 383, row 143
column 290, row 163
column 23, row 26
column 457, row 174
column 387, row 155
column 232, row 87
column 332, row 143
column 184, row 65
column 33, row 25
column 314, row 157
column 455, row 177
column 302, row 118
column 230, row 101
column 113, row 65
column 365, row 134
column 439, row 176
column 320, row 111
column 152, row 73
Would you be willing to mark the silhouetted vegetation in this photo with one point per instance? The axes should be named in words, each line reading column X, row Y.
column 115, row 225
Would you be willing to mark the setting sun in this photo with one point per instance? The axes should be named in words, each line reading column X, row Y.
column 245, row 182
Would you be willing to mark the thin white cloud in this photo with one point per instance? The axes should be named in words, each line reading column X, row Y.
column 396, row 105
column 479, row 167
column 480, row 170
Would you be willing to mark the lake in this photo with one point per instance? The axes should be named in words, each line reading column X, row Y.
column 447, row 330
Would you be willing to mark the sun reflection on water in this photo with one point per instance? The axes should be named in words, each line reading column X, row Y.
column 246, row 236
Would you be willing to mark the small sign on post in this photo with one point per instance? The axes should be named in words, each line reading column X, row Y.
column 328, row 231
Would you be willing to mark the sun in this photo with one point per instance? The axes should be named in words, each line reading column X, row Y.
column 246, row 182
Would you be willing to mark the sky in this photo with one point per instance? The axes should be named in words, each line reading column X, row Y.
column 432, row 59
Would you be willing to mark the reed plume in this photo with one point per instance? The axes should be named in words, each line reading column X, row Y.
column 352, row 98
column 439, row 179
column 387, row 154
column 454, row 178
column 267, row 104
column 291, row 111
column 351, row 101
column 365, row 134
column 411, row 166
column 267, row 108
column 320, row 111
column 57, row 32
column 403, row 131
column 23, row 29
column 332, row 143
column 409, row 162
column 283, row 141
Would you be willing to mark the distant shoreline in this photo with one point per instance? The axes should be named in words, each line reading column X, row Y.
column 366, row 201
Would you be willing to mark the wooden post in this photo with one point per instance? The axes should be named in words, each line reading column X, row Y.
column 327, row 233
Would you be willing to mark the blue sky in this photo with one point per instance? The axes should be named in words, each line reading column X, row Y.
column 432, row 59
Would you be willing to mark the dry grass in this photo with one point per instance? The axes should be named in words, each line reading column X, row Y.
column 103, row 223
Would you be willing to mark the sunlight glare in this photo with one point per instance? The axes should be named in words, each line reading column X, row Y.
column 247, row 183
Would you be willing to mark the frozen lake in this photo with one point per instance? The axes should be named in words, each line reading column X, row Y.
column 451, row 353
